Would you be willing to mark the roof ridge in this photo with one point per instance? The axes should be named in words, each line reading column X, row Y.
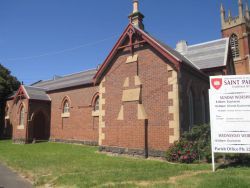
column 163, row 43
column 208, row 42
column 154, row 39
column 35, row 87
column 77, row 73
column 65, row 76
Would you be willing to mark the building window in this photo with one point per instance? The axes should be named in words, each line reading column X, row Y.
column 96, row 105
column 21, row 118
column 191, row 109
column 66, row 107
column 234, row 42
column 7, row 112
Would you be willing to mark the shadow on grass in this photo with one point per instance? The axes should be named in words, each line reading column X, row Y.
column 39, row 141
column 236, row 162
column 5, row 138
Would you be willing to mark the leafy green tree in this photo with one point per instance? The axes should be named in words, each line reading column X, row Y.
column 8, row 84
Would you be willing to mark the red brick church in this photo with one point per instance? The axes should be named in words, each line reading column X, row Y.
column 139, row 101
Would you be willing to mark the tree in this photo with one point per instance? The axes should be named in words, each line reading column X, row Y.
column 8, row 84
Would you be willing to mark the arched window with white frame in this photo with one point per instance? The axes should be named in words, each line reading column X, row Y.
column 21, row 116
column 234, row 42
column 96, row 104
column 66, row 107
column 7, row 112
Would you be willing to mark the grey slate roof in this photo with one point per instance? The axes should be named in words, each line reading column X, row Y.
column 72, row 80
column 36, row 93
column 38, row 90
column 170, row 50
column 200, row 56
column 210, row 54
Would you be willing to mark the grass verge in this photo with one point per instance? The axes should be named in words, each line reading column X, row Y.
column 65, row 165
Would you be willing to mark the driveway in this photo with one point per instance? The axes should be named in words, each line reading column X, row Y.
column 9, row 179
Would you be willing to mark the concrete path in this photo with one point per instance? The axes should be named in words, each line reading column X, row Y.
column 9, row 179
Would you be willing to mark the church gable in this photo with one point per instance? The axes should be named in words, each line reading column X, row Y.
column 134, row 37
column 22, row 92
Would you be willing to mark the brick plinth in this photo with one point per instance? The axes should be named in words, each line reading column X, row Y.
column 132, row 152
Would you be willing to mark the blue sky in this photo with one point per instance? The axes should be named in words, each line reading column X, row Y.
column 43, row 38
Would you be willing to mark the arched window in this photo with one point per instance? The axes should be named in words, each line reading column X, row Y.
column 21, row 116
column 234, row 42
column 203, row 108
column 96, row 105
column 7, row 111
column 66, row 106
column 191, row 109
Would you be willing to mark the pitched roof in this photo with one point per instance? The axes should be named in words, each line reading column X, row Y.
column 170, row 50
column 67, row 81
column 175, row 57
column 36, row 93
column 38, row 90
column 208, row 55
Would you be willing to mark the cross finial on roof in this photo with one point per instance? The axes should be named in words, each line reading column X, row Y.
column 136, row 18
column 135, row 6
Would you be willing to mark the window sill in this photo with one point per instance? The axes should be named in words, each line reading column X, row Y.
column 20, row 127
column 237, row 59
column 65, row 115
column 7, row 117
column 95, row 113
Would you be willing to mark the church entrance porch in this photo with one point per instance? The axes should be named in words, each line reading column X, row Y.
column 39, row 127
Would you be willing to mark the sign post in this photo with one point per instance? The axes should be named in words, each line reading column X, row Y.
column 229, row 100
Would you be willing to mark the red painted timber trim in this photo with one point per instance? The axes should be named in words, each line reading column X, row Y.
column 149, row 40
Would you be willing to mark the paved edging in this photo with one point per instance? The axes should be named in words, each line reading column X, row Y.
column 10, row 179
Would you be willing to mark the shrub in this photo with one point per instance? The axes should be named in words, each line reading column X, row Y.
column 201, row 136
column 182, row 151
column 194, row 145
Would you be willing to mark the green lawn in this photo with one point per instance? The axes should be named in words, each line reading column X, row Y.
column 64, row 165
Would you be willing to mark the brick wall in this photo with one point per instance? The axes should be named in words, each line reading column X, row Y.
column 18, row 132
column 132, row 132
column 81, row 125
column 190, row 80
column 164, row 96
column 32, row 108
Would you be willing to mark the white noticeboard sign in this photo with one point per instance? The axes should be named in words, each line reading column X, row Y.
column 229, row 98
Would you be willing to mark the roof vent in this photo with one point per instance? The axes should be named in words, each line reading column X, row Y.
column 55, row 77
column 182, row 46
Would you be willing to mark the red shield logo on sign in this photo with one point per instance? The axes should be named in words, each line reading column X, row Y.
column 217, row 83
